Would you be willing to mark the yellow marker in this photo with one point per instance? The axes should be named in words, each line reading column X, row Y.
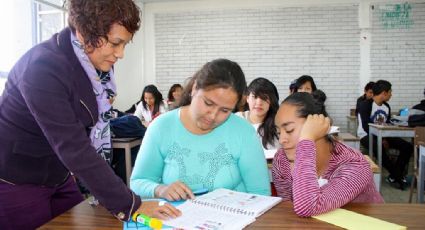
column 146, row 220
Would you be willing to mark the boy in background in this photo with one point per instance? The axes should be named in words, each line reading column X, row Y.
column 377, row 110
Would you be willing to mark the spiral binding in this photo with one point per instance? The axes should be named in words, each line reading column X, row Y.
column 224, row 208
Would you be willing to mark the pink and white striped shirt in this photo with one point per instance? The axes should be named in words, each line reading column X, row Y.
column 349, row 179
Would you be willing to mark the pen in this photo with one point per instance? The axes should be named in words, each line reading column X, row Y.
column 146, row 220
column 199, row 192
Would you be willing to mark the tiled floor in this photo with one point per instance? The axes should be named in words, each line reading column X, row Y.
column 395, row 195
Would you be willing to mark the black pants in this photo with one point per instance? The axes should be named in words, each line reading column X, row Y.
column 397, row 170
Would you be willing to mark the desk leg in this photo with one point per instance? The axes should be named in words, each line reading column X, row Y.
column 348, row 126
column 421, row 177
column 371, row 146
column 379, row 137
column 128, row 164
column 379, row 153
column 377, row 180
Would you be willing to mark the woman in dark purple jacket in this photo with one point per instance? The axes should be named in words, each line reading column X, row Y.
column 54, row 120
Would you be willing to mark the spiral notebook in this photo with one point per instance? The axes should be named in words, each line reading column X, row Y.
column 222, row 209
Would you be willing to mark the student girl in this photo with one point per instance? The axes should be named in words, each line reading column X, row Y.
column 54, row 120
column 263, row 104
column 202, row 144
column 152, row 105
column 317, row 173
column 305, row 83
column 174, row 95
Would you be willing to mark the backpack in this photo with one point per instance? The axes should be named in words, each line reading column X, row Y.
column 127, row 126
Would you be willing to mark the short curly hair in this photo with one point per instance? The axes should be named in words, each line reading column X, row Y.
column 94, row 18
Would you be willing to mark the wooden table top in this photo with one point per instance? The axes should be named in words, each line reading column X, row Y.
column 84, row 216
column 386, row 126
column 347, row 137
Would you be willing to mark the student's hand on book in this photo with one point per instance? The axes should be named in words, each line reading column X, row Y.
column 163, row 212
column 175, row 191
column 315, row 127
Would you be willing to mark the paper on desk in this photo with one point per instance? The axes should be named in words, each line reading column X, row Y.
column 352, row 220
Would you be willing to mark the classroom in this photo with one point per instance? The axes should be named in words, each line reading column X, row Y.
column 342, row 44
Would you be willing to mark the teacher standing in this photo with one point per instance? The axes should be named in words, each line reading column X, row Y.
column 54, row 120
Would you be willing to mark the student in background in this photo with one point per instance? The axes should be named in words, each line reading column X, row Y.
column 152, row 105
column 52, row 124
column 132, row 109
column 292, row 86
column 313, row 170
column 242, row 105
column 377, row 110
column 263, row 101
column 305, row 83
column 368, row 94
column 202, row 144
column 174, row 95
column 418, row 119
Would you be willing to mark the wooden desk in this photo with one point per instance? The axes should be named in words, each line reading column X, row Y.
column 381, row 131
column 84, row 216
column 352, row 125
column 349, row 139
column 376, row 172
column 126, row 144
column 421, row 174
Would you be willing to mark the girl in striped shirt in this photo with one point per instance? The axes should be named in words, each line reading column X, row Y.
column 315, row 171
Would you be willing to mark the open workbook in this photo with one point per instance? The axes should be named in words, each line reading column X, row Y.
column 222, row 209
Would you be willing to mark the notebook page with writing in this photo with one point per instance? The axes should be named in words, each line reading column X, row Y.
column 207, row 218
column 238, row 202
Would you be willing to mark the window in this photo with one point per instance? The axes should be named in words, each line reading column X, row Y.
column 27, row 23
column 3, row 78
column 50, row 17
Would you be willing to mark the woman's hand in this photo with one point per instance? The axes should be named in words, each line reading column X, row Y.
column 163, row 212
column 315, row 127
column 175, row 191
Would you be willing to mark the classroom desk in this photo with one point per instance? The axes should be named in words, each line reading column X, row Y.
column 381, row 131
column 126, row 144
column 421, row 174
column 349, row 139
column 352, row 124
column 84, row 216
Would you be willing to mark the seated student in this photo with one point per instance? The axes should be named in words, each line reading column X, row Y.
column 313, row 170
column 377, row 110
column 305, row 83
column 368, row 94
column 202, row 144
column 418, row 119
column 174, row 95
column 152, row 105
column 263, row 104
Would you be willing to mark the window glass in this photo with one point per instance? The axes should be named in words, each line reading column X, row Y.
column 50, row 19
column 27, row 23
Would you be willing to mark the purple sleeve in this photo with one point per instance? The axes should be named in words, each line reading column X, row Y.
column 49, row 99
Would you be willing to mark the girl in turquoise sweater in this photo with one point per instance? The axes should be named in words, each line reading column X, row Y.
column 202, row 145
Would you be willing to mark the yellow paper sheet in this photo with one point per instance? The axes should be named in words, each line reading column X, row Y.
column 352, row 220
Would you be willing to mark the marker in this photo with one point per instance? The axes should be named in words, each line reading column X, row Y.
column 200, row 191
column 146, row 220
